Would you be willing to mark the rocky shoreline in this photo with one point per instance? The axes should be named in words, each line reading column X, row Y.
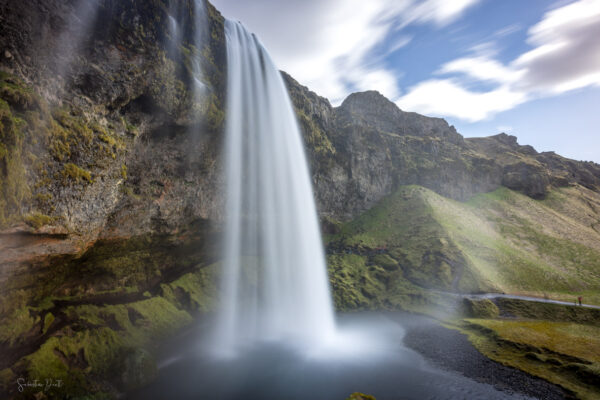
column 452, row 350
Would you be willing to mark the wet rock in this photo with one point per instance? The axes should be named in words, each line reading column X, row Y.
column 138, row 369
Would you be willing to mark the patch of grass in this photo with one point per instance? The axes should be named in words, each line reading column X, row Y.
column 17, row 324
column 37, row 220
column 14, row 186
column 315, row 138
column 196, row 290
column 359, row 283
column 69, row 134
column 567, row 354
column 480, row 308
column 549, row 311
column 501, row 241
column 106, row 138
column 404, row 226
column 48, row 320
column 76, row 173
column 46, row 364
column 16, row 93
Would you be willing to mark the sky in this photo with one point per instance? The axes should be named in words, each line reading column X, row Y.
column 527, row 68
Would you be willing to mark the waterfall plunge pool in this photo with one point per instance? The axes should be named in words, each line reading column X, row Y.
column 371, row 358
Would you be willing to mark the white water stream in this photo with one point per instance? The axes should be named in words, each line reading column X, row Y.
column 275, row 285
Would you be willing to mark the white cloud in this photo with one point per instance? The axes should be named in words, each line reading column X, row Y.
column 567, row 52
column 565, row 56
column 331, row 46
column 446, row 97
column 504, row 128
column 507, row 30
column 439, row 12
column 481, row 68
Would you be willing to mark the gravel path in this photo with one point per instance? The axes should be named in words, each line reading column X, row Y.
column 452, row 350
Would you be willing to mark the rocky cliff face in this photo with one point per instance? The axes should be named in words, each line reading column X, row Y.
column 110, row 176
column 109, row 181
column 104, row 137
column 368, row 147
column 103, row 134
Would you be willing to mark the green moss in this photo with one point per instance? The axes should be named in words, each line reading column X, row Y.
column 403, row 224
column 214, row 116
column 194, row 291
column 484, row 308
column 124, row 171
column 166, row 318
column 46, row 363
column 7, row 378
column 501, row 241
column 106, row 138
column 44, row 198
column 17, row 324
column 549, row 311
column 16, row 93
column 14, row 188
column 106, row 342
column 128, row 191
column 386, row 261
column 37, row 220
column 566, row 354
column 98, row 338
column 69, row 134
column 359, row 285
column 59, row 146
column 76, row 173
column 360, row 396
column 48, row 320
column 315, row 138
column 129, row 128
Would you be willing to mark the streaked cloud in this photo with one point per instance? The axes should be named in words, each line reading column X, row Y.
column 337, row 47
column 565, row 55
column 448, row 97
column 481, row 68
column 334, row 46
column 440, row 12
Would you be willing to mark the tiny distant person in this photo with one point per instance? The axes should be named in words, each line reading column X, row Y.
column 579, row 299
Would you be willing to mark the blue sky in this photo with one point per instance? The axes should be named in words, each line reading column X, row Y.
column 528, row 68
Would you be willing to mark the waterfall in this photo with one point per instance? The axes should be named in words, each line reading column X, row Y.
column 275, row 284
column 200, row 37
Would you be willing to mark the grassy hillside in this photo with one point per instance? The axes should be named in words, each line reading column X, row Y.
column 565, row 353
column 501, row 241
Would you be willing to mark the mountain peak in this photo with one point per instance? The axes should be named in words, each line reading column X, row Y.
column 506, row 139
column 368, row 102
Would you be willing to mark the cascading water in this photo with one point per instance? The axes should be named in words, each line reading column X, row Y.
column 275, row 284
column 176, row 31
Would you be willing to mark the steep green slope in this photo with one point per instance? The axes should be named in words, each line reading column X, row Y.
column 501, row 241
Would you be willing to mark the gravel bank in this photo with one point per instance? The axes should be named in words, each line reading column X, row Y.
column 452, row 350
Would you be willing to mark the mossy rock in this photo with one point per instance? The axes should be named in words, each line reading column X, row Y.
column 138, row 368
column 37, row 220
column 76, row 173
column 480, row 308
column 386, row 262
